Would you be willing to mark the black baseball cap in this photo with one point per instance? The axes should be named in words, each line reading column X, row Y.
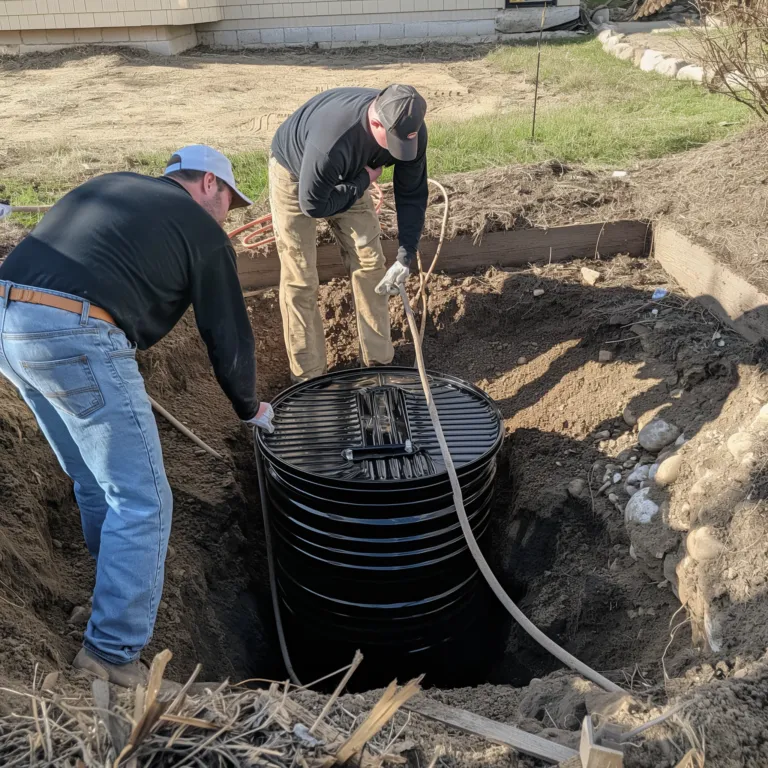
column 401, row 110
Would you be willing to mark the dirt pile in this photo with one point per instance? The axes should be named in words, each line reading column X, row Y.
column 716, row 195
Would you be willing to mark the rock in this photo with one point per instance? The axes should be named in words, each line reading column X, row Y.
column 740, row 444
column 657, row 435
column 639, row 476
column 79, row 616
column 590, row 276
column 623, row 52
column 630, row 419
column 605, row 35
column 670, row 67
column 640, row 508
column 522, row 360
column 616, row 478
column 691, row 73
column 613, row 41
column 57, row 544
column 650, row 60
column 668, row 471
column 762, row 415
column 630, row 489
column 632, row 552
column 681, row 441
column 577, row 489
column 604, row 356
column 702, row 545
column 538, row 292
column 602, row 435
column 640, row 330
column 613, row 498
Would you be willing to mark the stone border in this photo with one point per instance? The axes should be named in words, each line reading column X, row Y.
column 617, row 44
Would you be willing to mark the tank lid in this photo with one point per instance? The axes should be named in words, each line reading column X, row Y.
column 373, row 424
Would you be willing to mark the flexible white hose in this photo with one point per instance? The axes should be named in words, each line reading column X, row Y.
column 482, row 563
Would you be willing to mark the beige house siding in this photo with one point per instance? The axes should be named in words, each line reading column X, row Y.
column 171, row 26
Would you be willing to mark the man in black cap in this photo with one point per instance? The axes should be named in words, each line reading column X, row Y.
column 324, row 158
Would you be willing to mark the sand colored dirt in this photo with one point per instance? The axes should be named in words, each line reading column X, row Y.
column 96, row 101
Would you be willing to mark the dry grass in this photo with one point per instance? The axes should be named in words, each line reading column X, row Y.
column 222, row 726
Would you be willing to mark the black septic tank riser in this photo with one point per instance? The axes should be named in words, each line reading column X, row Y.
column 368, row 548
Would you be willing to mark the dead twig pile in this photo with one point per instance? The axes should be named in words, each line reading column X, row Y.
column 222, row 726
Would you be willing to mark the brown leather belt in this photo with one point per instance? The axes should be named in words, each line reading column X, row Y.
column 59, row 302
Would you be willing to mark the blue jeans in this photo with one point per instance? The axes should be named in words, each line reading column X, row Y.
column 80, row 378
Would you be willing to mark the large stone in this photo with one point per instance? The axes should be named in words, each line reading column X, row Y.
column 623, row 51
column 605, row 34
column 740, row 444
column 640, row 508
column 650, row 60
column 657, row 435
column 668, row 471
column 702, row 545
column 691, row 73
column 670, row 67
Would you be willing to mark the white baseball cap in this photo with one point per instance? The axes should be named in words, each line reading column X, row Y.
column 200, row 157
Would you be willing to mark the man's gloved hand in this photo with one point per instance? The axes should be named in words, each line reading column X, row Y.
column 5, row 210
column 396, row 276
column 263, row 418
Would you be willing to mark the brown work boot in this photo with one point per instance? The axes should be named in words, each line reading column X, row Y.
column 125, row 675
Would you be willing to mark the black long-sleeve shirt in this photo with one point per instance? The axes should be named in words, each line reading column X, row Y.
column 326, row 145
column 142, row 249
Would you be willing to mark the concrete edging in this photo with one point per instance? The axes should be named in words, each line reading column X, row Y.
column 617, row 44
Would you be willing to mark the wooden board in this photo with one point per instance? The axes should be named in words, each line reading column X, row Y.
column 731, row 298
column 596, row 756
column 505, row 249
column 498, row 733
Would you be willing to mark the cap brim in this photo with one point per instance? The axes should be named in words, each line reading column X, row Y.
column 405, row 150
column 239, row 200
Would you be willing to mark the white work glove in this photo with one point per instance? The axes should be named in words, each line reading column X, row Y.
column 5, row 210
column 263, row 418
column 396, row 276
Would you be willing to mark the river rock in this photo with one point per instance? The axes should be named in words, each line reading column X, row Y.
column 639, row 476
column 740, row 444
column 657, row 435
column 604, row 356
column 701, row 544
column 640, row 508
column 668, row 471
column 629, row 417
column 577, row 489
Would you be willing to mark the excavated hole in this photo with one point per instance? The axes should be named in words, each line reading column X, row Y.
column 565, row 561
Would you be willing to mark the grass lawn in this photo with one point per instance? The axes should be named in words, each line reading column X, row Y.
column 594, row 110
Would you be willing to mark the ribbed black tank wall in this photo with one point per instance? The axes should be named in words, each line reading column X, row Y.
column 369, row 552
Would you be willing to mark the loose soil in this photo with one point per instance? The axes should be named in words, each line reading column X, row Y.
column 568, row 559
column 109, row 104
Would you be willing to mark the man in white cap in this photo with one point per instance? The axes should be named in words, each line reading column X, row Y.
column 112, row 267
column 324, row 158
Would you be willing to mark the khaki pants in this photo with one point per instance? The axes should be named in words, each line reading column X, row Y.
column 358, row 233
